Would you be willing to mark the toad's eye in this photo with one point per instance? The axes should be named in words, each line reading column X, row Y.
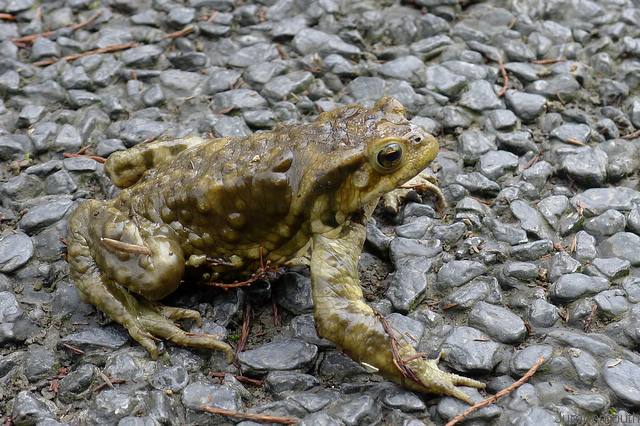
column 389, row 156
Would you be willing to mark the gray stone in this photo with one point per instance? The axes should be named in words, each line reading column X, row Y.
column 612, row 303
column 136, row 130
column 560, row 87
column 9, row 81
column 292, row 291
column 543, row 313
column 112, row 405
column 502, row 119
column 480, row 96
column 15, row 251
column 532, row 251
column 571, row 287
column 586, row 366
column 60, row 182
column 624, row 245
column 238, row 99
column 606, row 224
column 282, row 355
column 477, row 183
column 221, row 79
column 141, row 56
column 39, row 363
column 182, row 83
column 623, row 377
column 443, row 81
column 631, row 286
column 313, row 41
column 474, row 143
column 174, row 379
column 585, row 247
column 225, row 125
column 458, row 272
column 562, row 263
column 449, row 407
column 525, row 105
column 519, row 142
column 524, row 359
column 612, row 267
column 409, row 281
column 43, row 47
column 256, row 53
column 356, row 410
column 468, row 349
column 403, row 400
column 181, row 16
column 596, row 201
column 408, row 329
column 587, row 167
column 531, row 220
column 29, row 409
column 409, row 68
column 75, row 78
column 278, row 382
column 494, row 164
column 29, row 115
column 45, row 213
column 281, row 87
column 68, row 139
column 572, row 131
column 478, row 289
column 13, row 147
column 75, row 384
column 510, row 234
column 104, row 337
column 498, row 322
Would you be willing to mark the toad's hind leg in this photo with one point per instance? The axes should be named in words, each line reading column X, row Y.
column 121, row 268
column 343, row 317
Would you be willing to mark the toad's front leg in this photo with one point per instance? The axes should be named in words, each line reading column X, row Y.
column 343, row 317
column 123, row 267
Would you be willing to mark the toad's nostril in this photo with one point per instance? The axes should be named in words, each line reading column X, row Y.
column 415, row 137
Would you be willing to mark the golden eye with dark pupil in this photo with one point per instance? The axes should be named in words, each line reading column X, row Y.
column 389, row 155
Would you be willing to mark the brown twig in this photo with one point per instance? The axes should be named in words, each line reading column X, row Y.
column 589, row 319
column 249, row 416
column 73, row 349
column 264, row 272
column 276, row 314
column 246, row 327
column 574, row 141
column 95, row 158
column 505, row 78
column 547, row 61
column 176, row 34
column 125, row 247
column 494, row 398
column 106, row 381
column 7, row 17
column 243, row 379
column 397, row 360
column 632, row 135
column 32, row 37
column 73, row 57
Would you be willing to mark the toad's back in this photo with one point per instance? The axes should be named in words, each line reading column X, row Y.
column 233, row 196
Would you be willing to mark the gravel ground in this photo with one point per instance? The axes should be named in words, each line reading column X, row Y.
column 539, row 253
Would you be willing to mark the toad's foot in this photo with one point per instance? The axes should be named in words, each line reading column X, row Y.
column 121, row 268
column 422, row 183
column 343, row 317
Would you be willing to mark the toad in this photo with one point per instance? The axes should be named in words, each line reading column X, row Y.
column 230, row 204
